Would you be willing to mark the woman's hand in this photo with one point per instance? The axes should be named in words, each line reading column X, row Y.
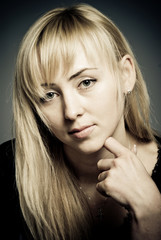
column 125, row 179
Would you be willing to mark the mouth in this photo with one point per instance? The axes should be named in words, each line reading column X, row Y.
column 82, row 132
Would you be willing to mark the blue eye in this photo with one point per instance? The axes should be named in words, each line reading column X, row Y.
column 87, row 83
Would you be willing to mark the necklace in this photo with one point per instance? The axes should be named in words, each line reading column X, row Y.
column 99, row 208
column 100, row 212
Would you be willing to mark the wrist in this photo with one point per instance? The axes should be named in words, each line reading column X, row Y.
column 146, row 217
column 146, row 204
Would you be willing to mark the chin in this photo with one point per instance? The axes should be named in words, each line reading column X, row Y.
column 90, row 148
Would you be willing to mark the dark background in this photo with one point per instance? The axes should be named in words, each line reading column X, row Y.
column 139, row 21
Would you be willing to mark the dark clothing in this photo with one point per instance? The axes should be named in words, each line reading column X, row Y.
column 12, row 223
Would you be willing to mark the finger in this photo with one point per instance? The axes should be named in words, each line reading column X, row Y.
column 102, row 176
column 100, row 188
column 114, row 147
column 105, row 164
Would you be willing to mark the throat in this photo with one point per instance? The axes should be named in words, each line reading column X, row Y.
column 85, row 165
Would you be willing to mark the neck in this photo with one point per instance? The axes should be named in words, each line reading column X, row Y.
column 85, row 165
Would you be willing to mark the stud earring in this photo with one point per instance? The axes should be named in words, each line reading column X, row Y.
column 128, row 92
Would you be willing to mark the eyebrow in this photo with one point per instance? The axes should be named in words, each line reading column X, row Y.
column 72, row 77
column 80, row 72
column 46, row 85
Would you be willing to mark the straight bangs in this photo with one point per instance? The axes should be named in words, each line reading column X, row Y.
column 52, row 49
column 59, row 46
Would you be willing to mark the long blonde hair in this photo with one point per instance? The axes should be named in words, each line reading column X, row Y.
column 51, row 202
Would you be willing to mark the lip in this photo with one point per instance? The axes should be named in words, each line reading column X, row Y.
column 82, row 132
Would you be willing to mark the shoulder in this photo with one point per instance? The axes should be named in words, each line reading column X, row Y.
column 9, row 202
column 150, row 155
column 7, row 149
column 156, row 173
column 147, row 152
column 7, row 171
column 7, row 174
column 7, row 166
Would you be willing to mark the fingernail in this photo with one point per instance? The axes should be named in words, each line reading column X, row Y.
column 98, row 163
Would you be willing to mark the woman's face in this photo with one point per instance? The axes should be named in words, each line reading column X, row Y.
column 82, row 106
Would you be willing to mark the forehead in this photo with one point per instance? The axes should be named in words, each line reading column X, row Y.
column 83, row 59
column 66, row 64
column 60, row 44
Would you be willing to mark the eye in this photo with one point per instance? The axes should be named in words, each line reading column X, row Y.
column 49, row 96
column 87, row 83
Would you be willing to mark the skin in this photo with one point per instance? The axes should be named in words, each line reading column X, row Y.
column 120, row 178
column 75, row 104
column 103, row 162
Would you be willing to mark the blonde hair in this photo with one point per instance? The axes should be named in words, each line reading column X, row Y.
column 51, row 202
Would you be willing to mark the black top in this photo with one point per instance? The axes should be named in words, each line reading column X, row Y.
column 12, row 223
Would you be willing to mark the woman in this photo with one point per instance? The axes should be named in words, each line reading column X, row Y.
column 86, row 158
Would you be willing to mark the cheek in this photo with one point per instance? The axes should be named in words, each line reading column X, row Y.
column 56, row 127
column 106, row 102
column 109, row 107
column 54, row 118
column 58, row 130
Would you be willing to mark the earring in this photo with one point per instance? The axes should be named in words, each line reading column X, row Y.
column 128, row 92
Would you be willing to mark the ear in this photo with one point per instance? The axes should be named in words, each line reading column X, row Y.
column 128, row 74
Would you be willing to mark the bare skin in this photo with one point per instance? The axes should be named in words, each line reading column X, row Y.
column 126, row 179
column 84, row 113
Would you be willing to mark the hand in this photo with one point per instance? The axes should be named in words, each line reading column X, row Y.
column 124, row 178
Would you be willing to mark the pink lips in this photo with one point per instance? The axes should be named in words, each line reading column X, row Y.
column 82, row 132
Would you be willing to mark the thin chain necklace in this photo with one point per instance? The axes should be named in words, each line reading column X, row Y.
column 99, row 209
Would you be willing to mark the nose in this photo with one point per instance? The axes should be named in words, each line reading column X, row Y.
column 72, row 107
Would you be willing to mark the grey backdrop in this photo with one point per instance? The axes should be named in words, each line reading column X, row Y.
column 139, row 21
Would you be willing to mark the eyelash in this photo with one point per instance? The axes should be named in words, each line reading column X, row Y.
column 48, row 97
column 89, row 81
